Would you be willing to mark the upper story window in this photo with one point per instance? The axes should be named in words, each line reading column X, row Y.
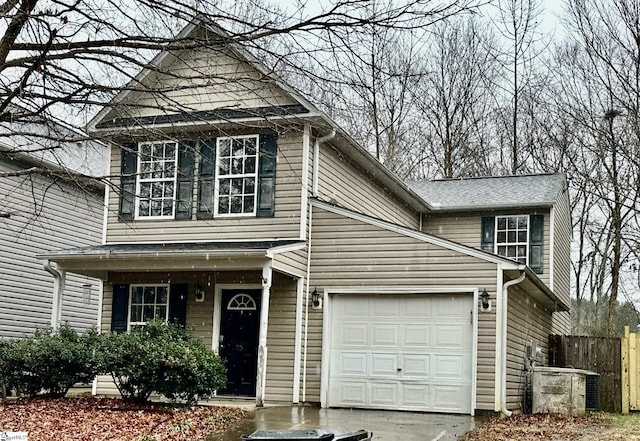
column 512, row 237
column 157, row 180
column 148, row 302
column 235, row 188
column 235, row 177
column 518, row 237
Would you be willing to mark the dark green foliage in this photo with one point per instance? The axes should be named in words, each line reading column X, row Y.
column 50, row 361
column 160, row 358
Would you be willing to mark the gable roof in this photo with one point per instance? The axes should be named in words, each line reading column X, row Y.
column 548, row 297
column 524, row 191
column 302, row 112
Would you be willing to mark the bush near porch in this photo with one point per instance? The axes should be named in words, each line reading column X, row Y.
column 158, row 358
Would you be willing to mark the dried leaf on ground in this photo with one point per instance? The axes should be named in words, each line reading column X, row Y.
column 92, row 419
column 552, row 427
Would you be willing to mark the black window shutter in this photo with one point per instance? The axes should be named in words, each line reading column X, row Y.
column 267, row 176
column 120, row 308
column 488, row 232
column 184, row 190
column 128, row 169
column 536, row 236
column 178, row 303
column 206, row 179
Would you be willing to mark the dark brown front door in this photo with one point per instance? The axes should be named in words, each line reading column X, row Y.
column 239, row 329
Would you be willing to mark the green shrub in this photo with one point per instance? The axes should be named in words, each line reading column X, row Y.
column 160, row 358
column 49, row 361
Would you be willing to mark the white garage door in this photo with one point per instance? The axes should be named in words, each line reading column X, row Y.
column 401, row 352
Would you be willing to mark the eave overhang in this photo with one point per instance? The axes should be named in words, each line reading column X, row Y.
column 98, row 261
column 539, row 290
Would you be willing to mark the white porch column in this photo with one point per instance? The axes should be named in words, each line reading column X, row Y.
column 261, row 380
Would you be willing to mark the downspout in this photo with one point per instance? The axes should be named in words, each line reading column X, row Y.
column 316, row 159
column 58, row 288
column 503, row 374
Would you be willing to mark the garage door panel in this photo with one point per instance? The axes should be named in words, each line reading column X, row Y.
column 417, row 309
column 384, row 307
column 415, row 396
column 448, row 398
column 451, row 306
column 352, row 307
column 418, row 336
column 403, row 353
column 353, row 363
column 385, row 335
column 450, row 336
column 449, row 366
column 352, row 392
column 384, row 394
column 384, row 365
column 355, row 334
column 415, row 365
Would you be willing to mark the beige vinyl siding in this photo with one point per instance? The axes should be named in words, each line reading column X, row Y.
column 284, row 224
column 562, row 269
column 44, row 216
column 466, row 228
column 199, row 80
column 345, row 183
column 293, row 262
column 528, row 322
column 281, row 329
column 281, row 339
column 347, row 253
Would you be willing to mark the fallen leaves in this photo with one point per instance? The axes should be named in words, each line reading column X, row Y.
column 92, row 419
column 551, row 427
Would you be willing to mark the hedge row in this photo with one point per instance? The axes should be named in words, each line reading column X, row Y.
column 158, row 358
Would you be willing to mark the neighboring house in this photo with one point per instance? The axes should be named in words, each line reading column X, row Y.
column 45, row 205
column 246, row 214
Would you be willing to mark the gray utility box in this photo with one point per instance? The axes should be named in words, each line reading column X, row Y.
column 559, row 390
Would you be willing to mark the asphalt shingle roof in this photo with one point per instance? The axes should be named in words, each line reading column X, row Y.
column 491, row 192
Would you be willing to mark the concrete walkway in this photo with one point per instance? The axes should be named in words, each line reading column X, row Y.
column 385, row 425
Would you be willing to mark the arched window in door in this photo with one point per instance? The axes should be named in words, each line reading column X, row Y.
column 241, row 302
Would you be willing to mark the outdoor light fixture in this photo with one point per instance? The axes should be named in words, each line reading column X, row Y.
column 484, row 301
column 199, row 293
column 316, row 301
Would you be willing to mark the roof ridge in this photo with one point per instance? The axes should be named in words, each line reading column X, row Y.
column 471, row 178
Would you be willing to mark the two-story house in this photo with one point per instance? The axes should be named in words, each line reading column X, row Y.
column 248, row 215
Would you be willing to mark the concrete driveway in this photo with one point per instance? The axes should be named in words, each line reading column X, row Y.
column 385, row 425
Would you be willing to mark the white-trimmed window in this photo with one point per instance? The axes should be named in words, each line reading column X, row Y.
column 236, row 177
column 512, row 237
column 157, row 165
column 147, row 303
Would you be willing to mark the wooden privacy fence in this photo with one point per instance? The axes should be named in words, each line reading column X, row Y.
column 596, row 354
column 630, row 371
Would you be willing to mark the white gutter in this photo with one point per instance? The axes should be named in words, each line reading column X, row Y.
column 503, row 373
column 316, row 159
column 58, row 288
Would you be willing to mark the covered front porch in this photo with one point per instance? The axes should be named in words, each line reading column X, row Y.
column 241, row 299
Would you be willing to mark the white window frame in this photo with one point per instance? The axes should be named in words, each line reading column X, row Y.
column 229, row 176
column 130, row 323
column 517, row 243
column 140, row 180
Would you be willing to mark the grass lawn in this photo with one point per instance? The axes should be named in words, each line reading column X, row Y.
column 595, row 426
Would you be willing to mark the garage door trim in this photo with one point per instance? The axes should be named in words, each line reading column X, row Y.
column 331, row 293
